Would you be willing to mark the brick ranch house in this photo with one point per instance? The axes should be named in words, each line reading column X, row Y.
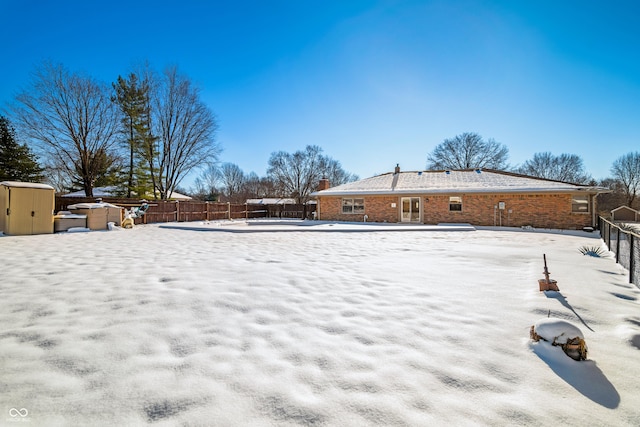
column 477, row 196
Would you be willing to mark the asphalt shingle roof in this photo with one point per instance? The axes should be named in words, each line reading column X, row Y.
column 455, row 181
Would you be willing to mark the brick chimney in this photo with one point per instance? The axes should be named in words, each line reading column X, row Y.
column 323, row 184
column 397, row 168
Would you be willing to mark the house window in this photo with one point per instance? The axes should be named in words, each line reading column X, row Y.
column 352, row 206
column 455, row 203
column 580, row 203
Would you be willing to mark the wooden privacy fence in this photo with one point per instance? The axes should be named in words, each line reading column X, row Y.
column 172, row 211
column 625, row 244
column 182, row 211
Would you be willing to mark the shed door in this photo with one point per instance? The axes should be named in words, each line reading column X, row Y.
column 30, row 211
column 20, row 203
column 42, row 208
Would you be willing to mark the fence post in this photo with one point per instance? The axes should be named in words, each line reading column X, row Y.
column 618, row 245
column 607, row 227
column 632, row 263
column 229, row 209
column 177, row 210
column 600, row 226
column 246, row 212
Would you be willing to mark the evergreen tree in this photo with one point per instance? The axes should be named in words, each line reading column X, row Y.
column 108, row 173
column 17, row 162
column 132, row 98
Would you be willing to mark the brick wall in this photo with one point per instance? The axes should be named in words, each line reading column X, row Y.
column 536, row 210
column 377, row 209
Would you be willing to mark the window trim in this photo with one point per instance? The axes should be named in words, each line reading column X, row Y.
column 354, row 205
column 455, row 201
column 579, row 200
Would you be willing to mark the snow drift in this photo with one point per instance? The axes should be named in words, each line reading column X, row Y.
column 170, row 326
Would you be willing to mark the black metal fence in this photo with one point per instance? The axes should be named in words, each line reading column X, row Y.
column 625, row 244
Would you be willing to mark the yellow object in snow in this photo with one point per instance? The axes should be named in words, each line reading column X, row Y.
column 127, row 223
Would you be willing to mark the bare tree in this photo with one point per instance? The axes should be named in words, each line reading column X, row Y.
column 71, row 119
column 296, row 175
column 229, row 182
column 333, row 171
column 256, row 187
column 233, row 180
column 207, row 185
column 468, row 151
column 57, row 176
column 565, row 167
column 609, row 201
column 626, row 169
column 252, row 186
column 186, row 132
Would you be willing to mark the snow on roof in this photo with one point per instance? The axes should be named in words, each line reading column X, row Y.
column 97, row 205
column 467, row 181
column 271, row 201
column 26, row 185
column 70, row 215
column 97, row 192
column 111, row 192
column 178, row 196
column 627, row 208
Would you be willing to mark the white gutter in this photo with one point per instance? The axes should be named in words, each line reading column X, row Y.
column 326, row 193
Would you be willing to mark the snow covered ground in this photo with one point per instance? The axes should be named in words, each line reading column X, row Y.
column 309, row 323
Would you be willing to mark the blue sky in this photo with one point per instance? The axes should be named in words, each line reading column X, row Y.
column 374, row 83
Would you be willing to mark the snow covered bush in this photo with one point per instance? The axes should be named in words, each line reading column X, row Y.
column 561, row 333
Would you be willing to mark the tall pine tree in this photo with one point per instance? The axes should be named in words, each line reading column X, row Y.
column 17, row 162
column 132, row 97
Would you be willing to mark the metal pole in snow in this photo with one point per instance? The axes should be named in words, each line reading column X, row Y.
column 546, row 270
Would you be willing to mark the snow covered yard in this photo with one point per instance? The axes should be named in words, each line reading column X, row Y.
column 311, row 324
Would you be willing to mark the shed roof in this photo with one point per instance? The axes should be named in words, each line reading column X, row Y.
column 97, row 205
column 271, row 201
column 455, row 181
column 626, row 208
column 26, row 185
column 275, row 201
column 111, row 191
